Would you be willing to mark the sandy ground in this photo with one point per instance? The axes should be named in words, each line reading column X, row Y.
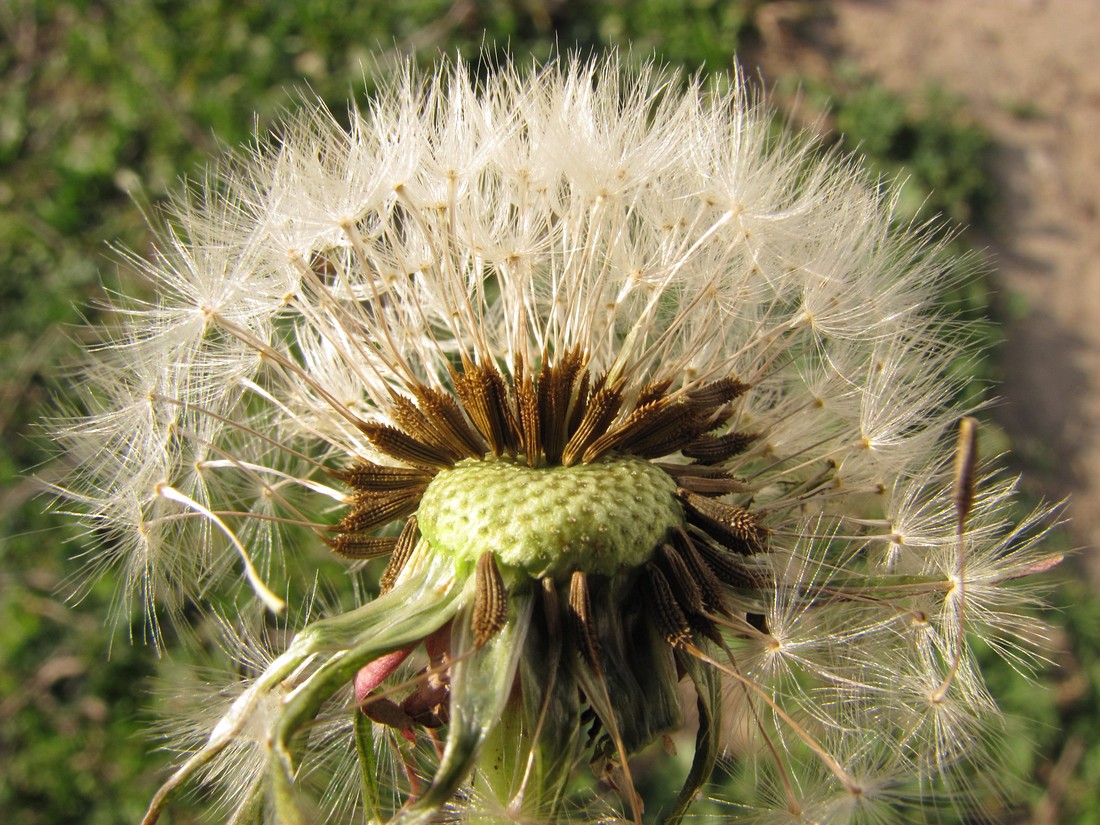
column 1028, row 71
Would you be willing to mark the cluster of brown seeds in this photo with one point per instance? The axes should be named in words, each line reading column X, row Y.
column 562, row 416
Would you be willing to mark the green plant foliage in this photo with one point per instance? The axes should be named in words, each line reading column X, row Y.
column 929, row 143
column 69, row 714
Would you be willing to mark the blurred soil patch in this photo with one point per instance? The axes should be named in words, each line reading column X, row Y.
column 1025, row 71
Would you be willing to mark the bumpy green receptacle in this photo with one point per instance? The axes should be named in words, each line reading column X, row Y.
column 599, row 518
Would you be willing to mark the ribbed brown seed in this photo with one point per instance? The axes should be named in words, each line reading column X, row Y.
column 674, row 427
column 415, row 423
column 670, row 618
column 600, row 411
column 636, row 422
column 716, row 449
column 572, row 364
column 563, row 416
column 710, row 585
column 705, row 481
column 689, row 594
column 727, row 566
column 484, row 396
column 490, row 600
column 406, row 542
column 366, row 475
column 551, row 432
column 444, row 412
column 361, row 547
column 654, row 429
column 555, row 389
column 735, row 527
column 580, row 612
column 397, row 444
column 503, row 412
column 718, row 392
column 584, row 389
column 527, row 402
column 652, row 391
column 370, row 510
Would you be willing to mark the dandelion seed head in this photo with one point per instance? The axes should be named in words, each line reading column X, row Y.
column 626, row 390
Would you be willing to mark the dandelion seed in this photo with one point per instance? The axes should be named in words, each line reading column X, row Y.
column 628, row 391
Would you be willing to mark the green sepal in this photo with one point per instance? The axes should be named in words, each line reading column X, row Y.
column 368, row 766
column 550, row 695
column 482, row 680
column 422, row 602
column 708, row 692
column 250, row 810
column 639, row 696
column 284, row 800
column 413, row 610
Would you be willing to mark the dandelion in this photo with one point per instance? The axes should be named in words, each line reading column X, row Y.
column 637, row 400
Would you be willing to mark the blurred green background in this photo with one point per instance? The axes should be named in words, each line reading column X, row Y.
column 104, row 105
